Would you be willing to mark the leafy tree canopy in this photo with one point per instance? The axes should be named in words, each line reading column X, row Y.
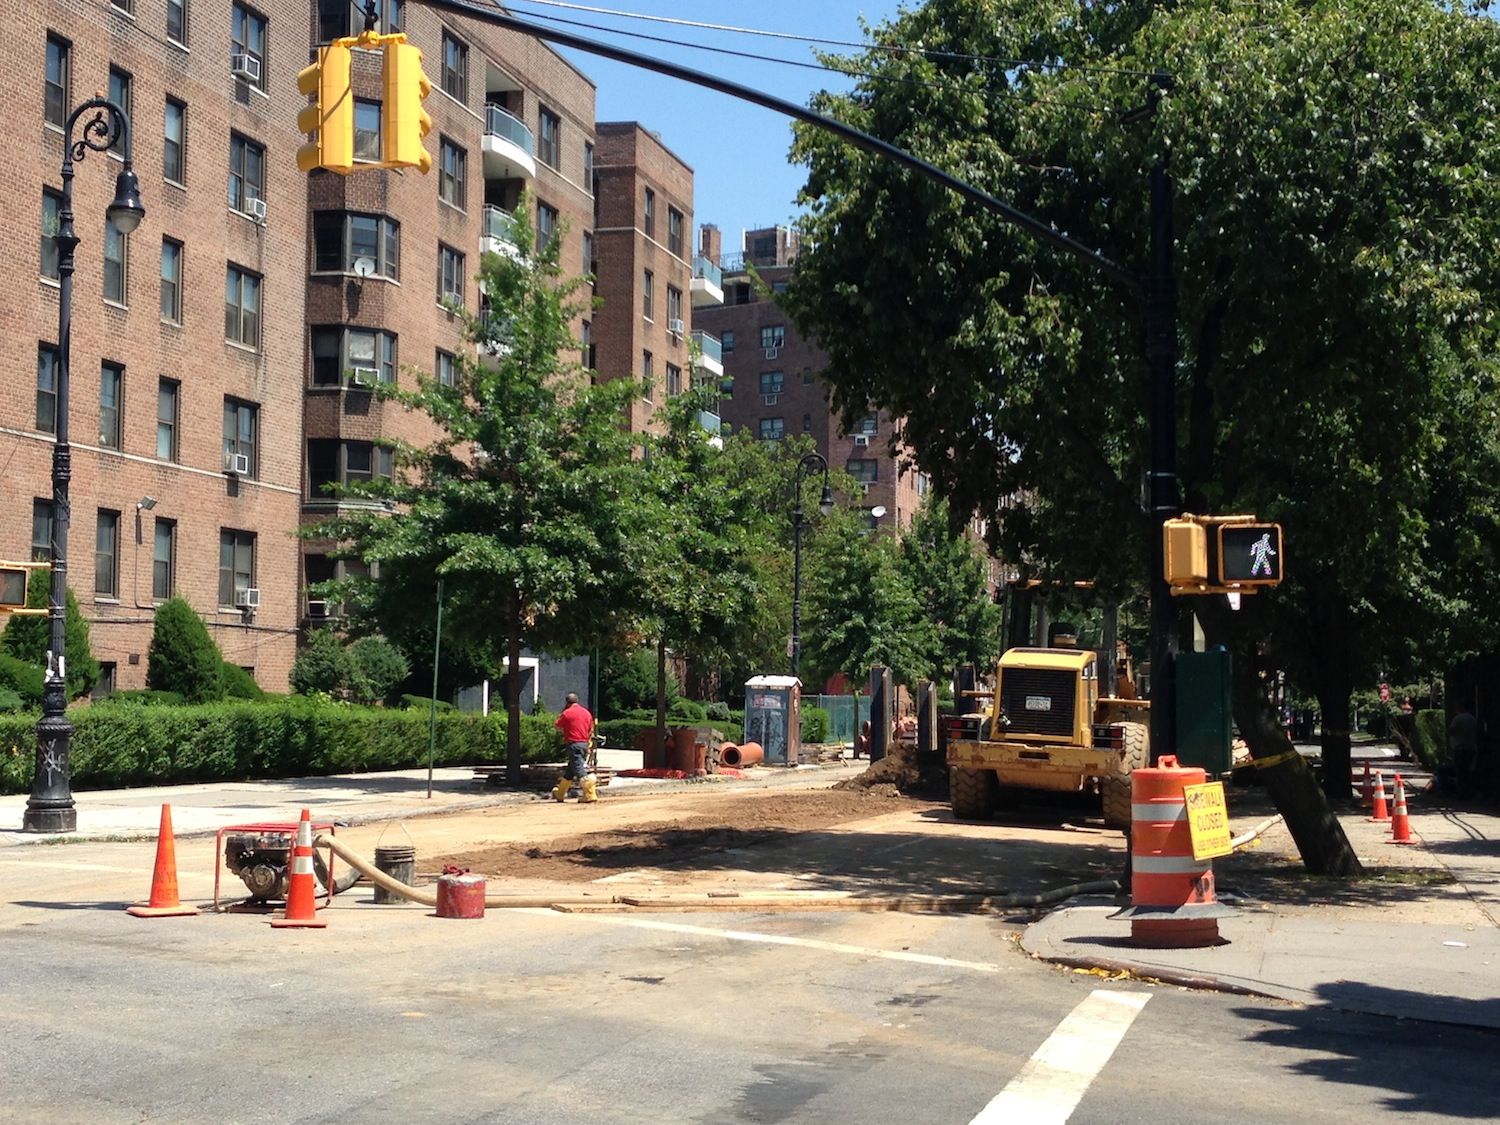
column 26, row 638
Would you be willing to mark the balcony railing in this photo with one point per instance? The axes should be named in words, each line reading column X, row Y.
column 710, row 348
column 709, row 272
column 710, row 422
column 499, row 232
column 499, row 123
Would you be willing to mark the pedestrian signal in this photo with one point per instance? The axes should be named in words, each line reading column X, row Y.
column 13, row 586
column 1250, row 554
column 1186, row 556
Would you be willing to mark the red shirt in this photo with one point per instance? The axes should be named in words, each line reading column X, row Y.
column 576, row 724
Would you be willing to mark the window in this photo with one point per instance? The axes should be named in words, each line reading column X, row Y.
column 674, row 303
column 241, row 420
column 548, row 146
column 177, row 21
column 763, row 249
column 106, row 554
column 105, row 684
column 806, row 377
column 236, row 564
column 648, row 215
column 341, row 239
column 648, row 374
column 453, row 163
column 126, row 6
column 741, row 294
column 446, row 367
column 450, row 275
column 174, row 147
column 167, row 391
column 111, row 387
column 869, row 425
column 864, row 469
column 51, row 222
column 116, row 273
column 242, row 307
column 648, row 292
column 247, row 36
column 588, row 167
column 772, row 382
column 772, row 429
column 41, row 530
column 47, row 360
column 588, row 252
column 247, row 172
column 674, row 231
column 55, row 88
column 119, row 93
column 674, row 379
column 366, row 131
column 338, row 18
column 546, row 225
column 586, row 339
column 455, row 68
column 171, row 281
column 163, row 559
column 352, row 355
column 726, row 341
column 807, row 423
column 778, row 286
column 333, row 464
column 773, row 336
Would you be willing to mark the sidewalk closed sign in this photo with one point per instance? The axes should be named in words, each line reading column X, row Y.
column 1208, row 819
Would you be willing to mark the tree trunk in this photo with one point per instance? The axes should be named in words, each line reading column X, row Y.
column 1319, row 836
column 513, row 698
column 1334, row 703
column 661, row 700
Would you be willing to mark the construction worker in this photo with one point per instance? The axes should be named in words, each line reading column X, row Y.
column 577, row 727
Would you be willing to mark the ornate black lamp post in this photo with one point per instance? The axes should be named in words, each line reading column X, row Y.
column 809, row 463
column 50, row 806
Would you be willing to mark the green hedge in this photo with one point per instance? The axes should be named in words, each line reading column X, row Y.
column 1430, row 738
column 816, row 723
column 156, row 745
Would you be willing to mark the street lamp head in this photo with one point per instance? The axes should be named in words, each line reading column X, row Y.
column 126, row 211
column 147, row 502
column 825, row 505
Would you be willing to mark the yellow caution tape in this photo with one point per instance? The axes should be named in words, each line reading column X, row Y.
column 1273, row 760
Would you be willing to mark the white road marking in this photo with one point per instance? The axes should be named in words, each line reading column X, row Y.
column 1055, row 1078
column 778, row 939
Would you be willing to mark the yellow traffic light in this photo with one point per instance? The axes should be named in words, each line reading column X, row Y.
column 329, row 121
column 404, row 121
column 1186, row 552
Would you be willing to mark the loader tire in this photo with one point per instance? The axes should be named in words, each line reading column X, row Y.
column 972, row 793
column 1116, row 789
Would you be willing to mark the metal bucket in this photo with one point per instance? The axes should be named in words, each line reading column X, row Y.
column 399, row 861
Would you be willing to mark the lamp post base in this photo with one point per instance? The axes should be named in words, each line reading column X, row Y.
column 59, row 819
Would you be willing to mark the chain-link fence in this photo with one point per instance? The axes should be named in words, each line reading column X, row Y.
column 845, row 713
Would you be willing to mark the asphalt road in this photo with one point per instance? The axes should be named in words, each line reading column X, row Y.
column 539, row 1017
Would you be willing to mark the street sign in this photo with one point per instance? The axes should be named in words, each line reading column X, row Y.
column 1385, row 693
column 1208, row 819
column 1250, row 554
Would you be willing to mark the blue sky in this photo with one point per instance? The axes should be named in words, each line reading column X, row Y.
column 738, row 151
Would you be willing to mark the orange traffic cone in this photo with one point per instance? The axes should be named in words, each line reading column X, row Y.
column 1400, row 822
column 164, row 902
column 1367, row 790
column 302, row 892
column 1381, row 814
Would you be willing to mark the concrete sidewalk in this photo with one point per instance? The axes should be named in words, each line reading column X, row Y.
column 1418, row 938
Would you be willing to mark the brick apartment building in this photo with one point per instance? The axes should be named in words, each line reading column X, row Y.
column 205, row 432
column 772, row 376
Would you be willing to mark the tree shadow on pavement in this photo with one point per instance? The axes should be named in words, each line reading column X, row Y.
column 1424, row 1067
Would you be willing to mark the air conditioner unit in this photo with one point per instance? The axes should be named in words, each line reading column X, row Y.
column 362, row 376
column 866, row 485
column 769, row 400
column 256, row 209
column 248, row 598
column 674, row 326
column 317, row 609
column 245, row 67
column 861, row 441
column 239, row 465
column 772, row 353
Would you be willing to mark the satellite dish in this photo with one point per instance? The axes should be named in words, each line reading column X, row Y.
column 364, row 267
column 878, row 510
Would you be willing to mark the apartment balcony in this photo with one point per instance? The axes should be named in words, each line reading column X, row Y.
column 509, row 147
column 498, row 236
column 713, row 426
column 710, row 353
column 708, row 284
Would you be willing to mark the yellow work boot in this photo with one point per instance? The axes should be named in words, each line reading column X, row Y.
column 560, row 790
column 589, row 790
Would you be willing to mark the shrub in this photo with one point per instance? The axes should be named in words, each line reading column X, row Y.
column 686, row 711
column 816, row 723
column 717, row 711
column 376, row 667
column 26, row 638
column 423, row 703
column 183, row 657
column 1430, row 738
column 628, row 682
column 285, row 737
column 23, row 679
column 236, row 683
column 10, row 701
column 146, row 698
column 323, row 665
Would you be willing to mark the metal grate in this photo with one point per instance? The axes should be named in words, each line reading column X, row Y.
column 1058, row 687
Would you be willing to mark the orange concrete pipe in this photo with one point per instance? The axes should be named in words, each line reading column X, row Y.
column 750, row 754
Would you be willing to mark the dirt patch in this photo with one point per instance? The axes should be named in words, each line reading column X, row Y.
column 687, row 840
column 903, row 771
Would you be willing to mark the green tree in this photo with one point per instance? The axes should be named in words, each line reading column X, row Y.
column 182, row 657
column 519, row 506
column 323, row 665
column 948, row 575
column 377, row 668
column 26, row 638
column 1336, row 249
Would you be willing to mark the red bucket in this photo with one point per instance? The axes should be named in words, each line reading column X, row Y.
column 460, row 896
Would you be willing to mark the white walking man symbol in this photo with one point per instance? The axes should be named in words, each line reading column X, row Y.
column 1261, row 555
